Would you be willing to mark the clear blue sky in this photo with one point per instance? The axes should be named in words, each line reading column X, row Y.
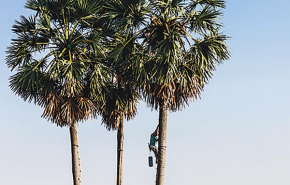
column 239, row 133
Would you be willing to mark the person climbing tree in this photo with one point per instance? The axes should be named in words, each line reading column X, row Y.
column 153, row 143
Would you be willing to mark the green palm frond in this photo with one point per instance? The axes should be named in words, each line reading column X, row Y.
column 204, row 20
column 24, row 25
column 27, row 82
column 98, row 77
column 124, row 47
column 127, row 15
column 210, row 49
column 213, row 3
column 36, row 5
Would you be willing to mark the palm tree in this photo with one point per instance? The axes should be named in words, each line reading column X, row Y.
column 58, row 57
column 121, row 103
column 185, row 44
column 123, row 97
column 181, row 44
column 120, row 96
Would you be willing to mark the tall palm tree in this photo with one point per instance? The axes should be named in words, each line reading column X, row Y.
column 121, row 103
column 58, row 58
column 120, row 96
column 123, row 97
column 185, row 44
column 181, row 44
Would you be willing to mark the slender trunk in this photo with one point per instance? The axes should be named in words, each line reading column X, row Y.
column 161, row 146
column 120, row 141
column 76, row 164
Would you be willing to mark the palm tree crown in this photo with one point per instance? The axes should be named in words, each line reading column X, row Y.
column 184, row 45
column 72, row 67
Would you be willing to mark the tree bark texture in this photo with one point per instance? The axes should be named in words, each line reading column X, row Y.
column 161, row 146
column 120, row 143
column 76, row 165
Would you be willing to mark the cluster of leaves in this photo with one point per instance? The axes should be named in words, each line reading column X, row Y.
column 58, row 55
column 175, row 46
column 80, row 58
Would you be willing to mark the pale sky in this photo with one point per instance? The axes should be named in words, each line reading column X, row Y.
column 237, row 134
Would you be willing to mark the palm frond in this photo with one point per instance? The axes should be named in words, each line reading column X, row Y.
column 204, row 20
column 213, row 3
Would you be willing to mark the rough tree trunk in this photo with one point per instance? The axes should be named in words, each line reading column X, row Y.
column 161, row 146
column 76, row 165
column 120, row 141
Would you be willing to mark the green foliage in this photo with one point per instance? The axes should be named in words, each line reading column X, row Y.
column 166, row 50
column 174, row 52
column 67, row 80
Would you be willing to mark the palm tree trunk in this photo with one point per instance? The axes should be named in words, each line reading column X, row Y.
column 76, row 164
column 120, row 141
column 161, row 146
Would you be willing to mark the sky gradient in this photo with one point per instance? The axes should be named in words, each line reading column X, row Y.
column 238, row 133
